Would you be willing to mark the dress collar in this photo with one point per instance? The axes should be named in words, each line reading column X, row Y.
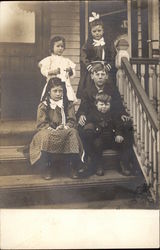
column 100, row 42
column 54, row 104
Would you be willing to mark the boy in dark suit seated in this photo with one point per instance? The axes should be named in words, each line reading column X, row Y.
column 103, row 131
column 103, row 121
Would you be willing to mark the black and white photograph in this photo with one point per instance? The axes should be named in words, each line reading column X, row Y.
column 80, row 105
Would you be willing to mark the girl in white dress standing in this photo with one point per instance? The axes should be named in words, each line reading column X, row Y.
column 59, row 66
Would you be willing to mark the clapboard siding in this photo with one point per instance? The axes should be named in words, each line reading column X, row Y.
column 66, row 30
column 65, row 21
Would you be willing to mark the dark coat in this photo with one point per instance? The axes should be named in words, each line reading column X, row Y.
column 103, row 123
column 91, row 53
column 88, row 100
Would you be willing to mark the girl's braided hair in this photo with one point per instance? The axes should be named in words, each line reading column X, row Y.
column 54, row 82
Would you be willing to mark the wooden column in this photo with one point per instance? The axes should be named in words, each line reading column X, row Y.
column 139, row 28
column 129, row 26
column 86, row 20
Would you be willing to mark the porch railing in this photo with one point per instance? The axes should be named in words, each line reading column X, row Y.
column 148, row 72
column 145, row 122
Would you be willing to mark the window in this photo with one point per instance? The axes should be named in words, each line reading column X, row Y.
column 16, row 25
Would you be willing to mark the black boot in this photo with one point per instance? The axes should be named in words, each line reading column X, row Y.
column 99, row 171
column 74, row 166
column 47, row 175
column 124, row 169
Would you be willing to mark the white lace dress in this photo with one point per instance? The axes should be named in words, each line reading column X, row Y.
column 53, row 62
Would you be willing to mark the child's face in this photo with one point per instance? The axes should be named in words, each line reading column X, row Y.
column 58, row 48
column 99, row 77
column 103, row 107
column 56, row 93
column 97, row 32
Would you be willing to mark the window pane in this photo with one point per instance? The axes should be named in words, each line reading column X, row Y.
column 16, row 25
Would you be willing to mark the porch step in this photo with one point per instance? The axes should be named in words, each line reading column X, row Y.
column 16, row 132
column 27, row 190
column 15, row 161
column 35, row 182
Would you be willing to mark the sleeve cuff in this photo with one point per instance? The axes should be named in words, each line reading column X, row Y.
column 89, row 67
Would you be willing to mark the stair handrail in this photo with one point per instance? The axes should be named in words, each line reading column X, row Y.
column 144, row 60
column 140, row 93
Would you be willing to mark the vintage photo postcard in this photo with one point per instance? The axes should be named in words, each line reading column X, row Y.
column 80, row 114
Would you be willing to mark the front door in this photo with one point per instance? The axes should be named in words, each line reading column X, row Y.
column 23, row 42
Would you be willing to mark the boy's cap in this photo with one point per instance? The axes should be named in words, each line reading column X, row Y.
column 99, row 65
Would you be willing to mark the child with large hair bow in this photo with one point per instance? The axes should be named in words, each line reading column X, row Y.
column 96, row 48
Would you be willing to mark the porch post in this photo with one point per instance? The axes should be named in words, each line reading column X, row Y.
column 129, row 26
column 153, row 25
column 139, row 28
column 86, row 20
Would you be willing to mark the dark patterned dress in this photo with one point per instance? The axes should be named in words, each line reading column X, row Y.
column 65, row 141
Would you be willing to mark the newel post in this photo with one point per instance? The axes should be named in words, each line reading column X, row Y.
column 121, row 48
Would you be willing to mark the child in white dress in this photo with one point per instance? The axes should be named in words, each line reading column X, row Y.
column 58, row 65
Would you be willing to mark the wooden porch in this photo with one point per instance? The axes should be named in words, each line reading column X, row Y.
column 139, row 86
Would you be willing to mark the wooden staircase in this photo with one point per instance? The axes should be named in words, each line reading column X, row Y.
column 18, row 177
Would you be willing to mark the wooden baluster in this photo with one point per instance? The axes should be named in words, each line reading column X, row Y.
column 134, row 66
column 123, row 79
column 151, row 73
column 150, row 154
column 142, row 74
column 120, row 76
column 131, row 100
column 142, row 135
column 125, row 91
column 158, row 90
column 138, row 127
column 128, row 100
column 155, row 167
column 146, row 141
column 154, row 86
column 134, row 117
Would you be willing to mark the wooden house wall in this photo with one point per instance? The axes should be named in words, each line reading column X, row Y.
column 65, row 21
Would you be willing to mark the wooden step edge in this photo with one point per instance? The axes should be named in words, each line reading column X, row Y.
column 12, row 153
column 80, row 183
column 13, row 159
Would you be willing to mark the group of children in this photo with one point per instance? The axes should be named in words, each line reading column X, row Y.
column 101, row 121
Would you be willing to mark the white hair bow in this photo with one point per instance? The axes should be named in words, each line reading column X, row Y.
column 94, row 17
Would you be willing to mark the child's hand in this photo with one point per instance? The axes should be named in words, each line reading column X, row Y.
column 69, row 71
column 119, row 139
column 66, row 127
column 82, row 120
column 51, row 129
column 54, row 72
column 125, row 118
column 60, row 127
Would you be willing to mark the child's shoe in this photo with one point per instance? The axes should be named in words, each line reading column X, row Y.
column 47, row 174
column 99, row 171
column 124, row 170
column 74, row 173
